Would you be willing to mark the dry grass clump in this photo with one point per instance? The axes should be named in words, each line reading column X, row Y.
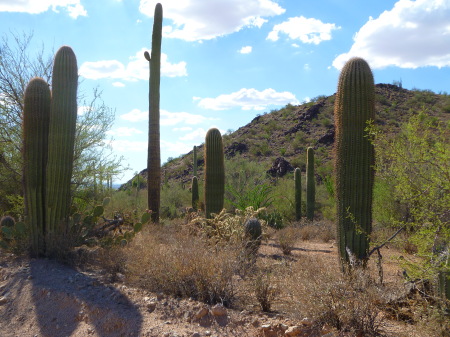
column 321, row 231
column 348, row 303
column 166, row 260
column 286, row 238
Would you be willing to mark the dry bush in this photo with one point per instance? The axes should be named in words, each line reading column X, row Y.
column 265, row 291
column 286, row 238
column 322, row 231
column 166, row 260
column 350, row 304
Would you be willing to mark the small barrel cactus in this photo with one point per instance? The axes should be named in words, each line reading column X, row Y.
column 7, row 221
column 253, row 233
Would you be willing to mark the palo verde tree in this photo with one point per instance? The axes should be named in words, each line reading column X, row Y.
column 154, row 150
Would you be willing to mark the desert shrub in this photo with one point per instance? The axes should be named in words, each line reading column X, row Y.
column 265, row 291
column 286, row 238
column 348, row 303
column 415, row 163
column 168, row 261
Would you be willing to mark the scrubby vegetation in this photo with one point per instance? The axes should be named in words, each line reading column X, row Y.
column 248, row 239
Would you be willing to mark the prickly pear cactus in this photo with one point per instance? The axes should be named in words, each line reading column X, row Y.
column 354, row 160
column 214, row 173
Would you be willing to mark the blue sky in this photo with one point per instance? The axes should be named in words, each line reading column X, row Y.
column 225, row 61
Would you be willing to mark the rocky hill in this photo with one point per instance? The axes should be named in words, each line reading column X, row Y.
column 279, row 139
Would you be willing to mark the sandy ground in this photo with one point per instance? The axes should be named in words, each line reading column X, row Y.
column 41, row 297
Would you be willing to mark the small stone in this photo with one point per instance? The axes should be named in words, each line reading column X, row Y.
column 151, row 306
column 256, row 323
column 195, row 334
column 3, row 300
column 120, row 277
column 219, row 310
column 207, row 333
column 202, row 312
column 306, row 322
column 293, row 331
column 266, row 327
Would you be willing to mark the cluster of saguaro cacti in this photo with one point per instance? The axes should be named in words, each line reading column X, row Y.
column 154, row 150
column 49, row 121
column 214, row 173
column 354, row 160
column 298, row 193
column 310, row 185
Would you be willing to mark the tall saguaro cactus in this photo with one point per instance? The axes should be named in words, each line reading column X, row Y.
column 154, row 150
column 36, row 116
column 214, row 172
column 310, row 184
column 354, row 160
column 61, row 140
column 298, row 193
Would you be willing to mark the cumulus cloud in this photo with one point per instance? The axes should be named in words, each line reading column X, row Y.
column 135, row 115
column 306, row 30
column 177, row 147
column 246, row 50
column 412, row 34
column 195, row 20
column 248, row 99
column 198, row 135
column 129, row 145
column 73, row 7
column 118, row 84
column 124, row 131
column 136, row 69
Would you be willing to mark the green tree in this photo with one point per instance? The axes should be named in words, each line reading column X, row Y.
column 92, row 155
column 416, row 163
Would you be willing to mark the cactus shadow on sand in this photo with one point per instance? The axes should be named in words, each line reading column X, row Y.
column 65, row 300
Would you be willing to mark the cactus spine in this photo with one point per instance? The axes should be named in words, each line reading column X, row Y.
column 195, row 195
column 310, row 185
column 61, row 140
column 154, row 151
column 36, row 116
column 298, row 193
column 354, row 160
column 214, row 172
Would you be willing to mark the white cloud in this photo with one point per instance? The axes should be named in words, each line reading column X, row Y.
column 177, row 147
column 73, row 7
column 129, row 145
column 166, row 118
column 197, row 135
column 136, row 69
column 81, row 110
column 246, row 50
column 124, row 131
column 248, row 99
column 195, row 20
column 118, row 84
column 182, row 129
column 135, row 115
column 410, row 35
column 307, row 30
column 173, row 118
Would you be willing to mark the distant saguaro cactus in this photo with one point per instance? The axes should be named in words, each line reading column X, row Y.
column 298, row 193
column 310, row 185
column 194, row 161
column 154, row 150
column 354, row 160
column 61, row 140
column 35, row 125
column 214, row 172
column 195, row 195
